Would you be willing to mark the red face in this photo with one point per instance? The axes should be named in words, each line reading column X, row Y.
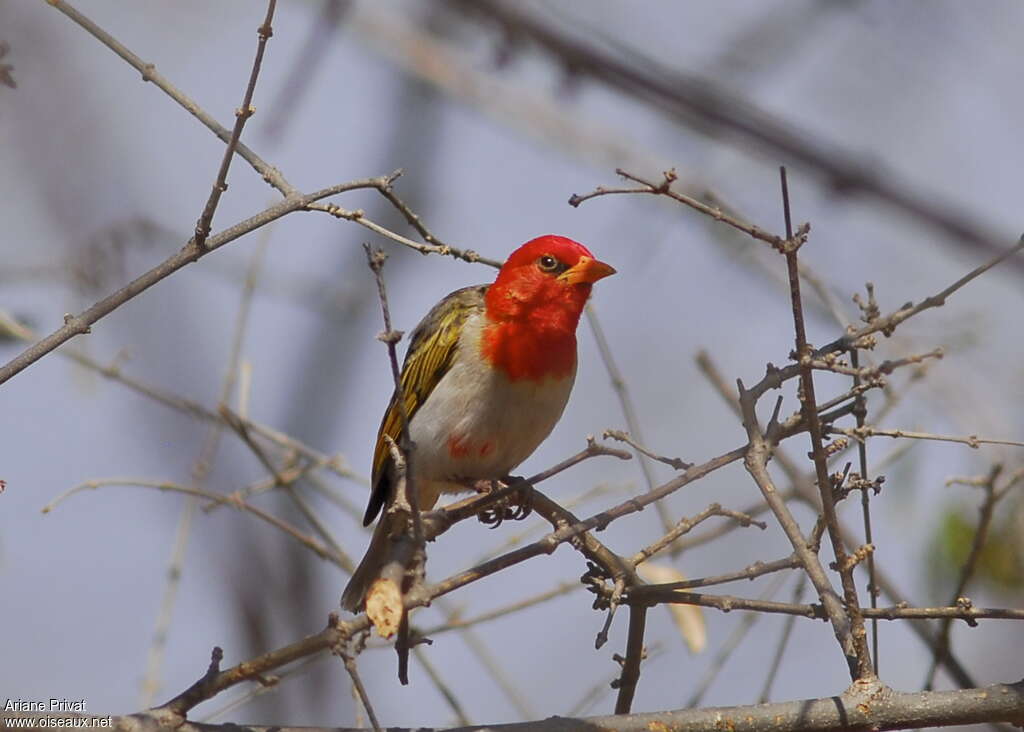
column 557, row 258
column 547, row 272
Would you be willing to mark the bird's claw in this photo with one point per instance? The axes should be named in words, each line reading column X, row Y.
column 514, row 507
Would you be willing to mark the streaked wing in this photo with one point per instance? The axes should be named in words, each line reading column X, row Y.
column 432, row 348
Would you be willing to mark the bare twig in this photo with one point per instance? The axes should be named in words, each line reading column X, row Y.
column 390, row 338
column 242, row 115
column 862, row 668
column 860, row 413
column 861, row 432
column 756, row 459
column 672, row 462
column 268, row 172
column 727, row 603
column 805, row 491
column 887, row 324
column 348, row 656
column 78, row 324
column 664, row 188
column 750, row 572
column 359, row 217
column 631, row 664
column 158, row 645
column 685, row 526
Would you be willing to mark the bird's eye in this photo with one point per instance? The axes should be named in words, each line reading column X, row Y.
column 547, row 263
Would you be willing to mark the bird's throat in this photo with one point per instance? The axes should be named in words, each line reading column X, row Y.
column 523, row 352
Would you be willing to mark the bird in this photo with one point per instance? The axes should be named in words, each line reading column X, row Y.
column 485, row 379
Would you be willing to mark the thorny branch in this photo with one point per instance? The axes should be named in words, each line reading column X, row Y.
column 863, row 667
column 803, row 490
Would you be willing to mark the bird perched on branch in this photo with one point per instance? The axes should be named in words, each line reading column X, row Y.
column 486, row 377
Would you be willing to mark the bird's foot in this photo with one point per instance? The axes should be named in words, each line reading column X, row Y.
column 514, row 507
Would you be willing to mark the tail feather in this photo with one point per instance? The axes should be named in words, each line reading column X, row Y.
column 369, row 569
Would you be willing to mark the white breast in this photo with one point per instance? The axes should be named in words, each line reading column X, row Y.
column 477, row 424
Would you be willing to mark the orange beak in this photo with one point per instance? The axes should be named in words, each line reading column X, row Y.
column 586, row 270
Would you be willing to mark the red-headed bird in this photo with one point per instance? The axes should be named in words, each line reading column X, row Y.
column 486, row 377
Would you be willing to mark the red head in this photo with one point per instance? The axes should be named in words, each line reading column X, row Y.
column 535, row 304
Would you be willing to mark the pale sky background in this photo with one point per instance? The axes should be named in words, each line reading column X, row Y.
column 102, row 176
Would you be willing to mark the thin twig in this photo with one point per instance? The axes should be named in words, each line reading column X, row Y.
column 750, row 572
column 803, row 490
column 860, row 413
column 672, row 462
column 860, row 664
column 78, row 324
column 861, row 432
column 358, row 216
column 390, row 338
column 686, row 525
column 242, row 115
column 729, row 603
column 631, row 664
column 887, row 324
column 268, row 172
column 664, row 188
column 303, row 666
column 756, row 459
column 348, row 657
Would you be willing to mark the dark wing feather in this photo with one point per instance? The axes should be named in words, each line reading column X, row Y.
column 432, row 348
